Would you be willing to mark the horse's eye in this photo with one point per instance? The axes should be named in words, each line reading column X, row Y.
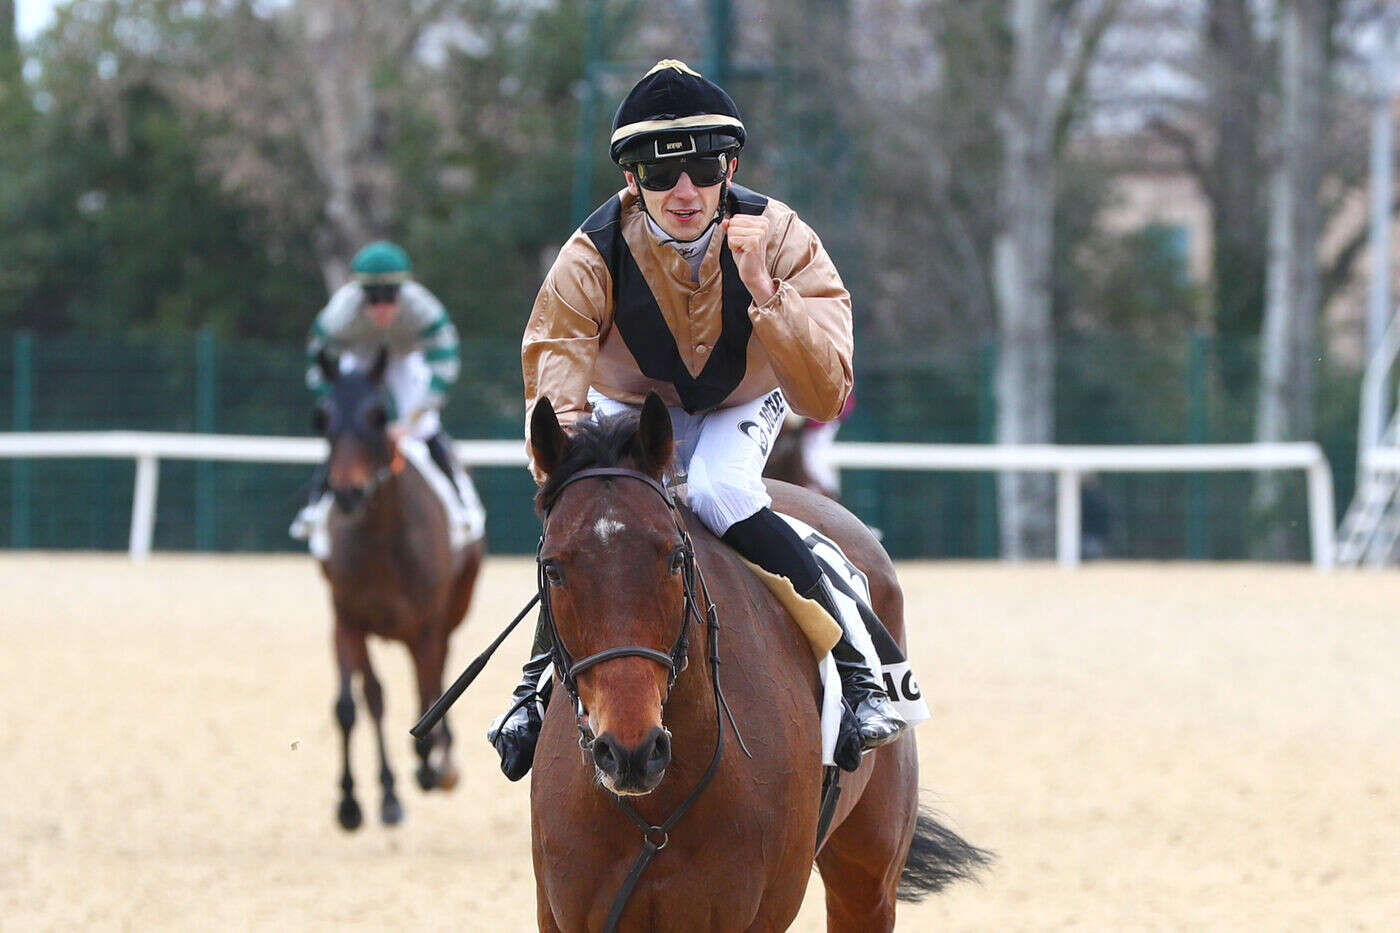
column 678, row 559
column 320, row 420
column 554, row 573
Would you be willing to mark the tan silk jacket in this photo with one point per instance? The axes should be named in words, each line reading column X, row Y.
column 801, row 337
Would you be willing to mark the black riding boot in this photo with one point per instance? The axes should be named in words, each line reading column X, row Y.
column 514, row 733
column 880, row 722
column 441, row 452
column 770, row 542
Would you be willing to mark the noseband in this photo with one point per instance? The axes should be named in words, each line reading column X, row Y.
column 674, row 661
column 380, row 476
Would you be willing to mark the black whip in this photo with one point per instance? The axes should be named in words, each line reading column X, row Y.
column 435, row 712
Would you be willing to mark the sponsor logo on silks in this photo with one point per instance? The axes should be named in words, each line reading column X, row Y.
column 770, row 413
column 756, row 434
column 772, row 410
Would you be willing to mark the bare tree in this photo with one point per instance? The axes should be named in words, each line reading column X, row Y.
column 311, row 89
column 1290, row 348
column 1052, row 47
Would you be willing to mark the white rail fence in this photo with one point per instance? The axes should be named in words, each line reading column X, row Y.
column 1068, row 463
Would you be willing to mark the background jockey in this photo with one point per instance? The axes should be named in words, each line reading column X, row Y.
column 725, row 303
column 381, row 306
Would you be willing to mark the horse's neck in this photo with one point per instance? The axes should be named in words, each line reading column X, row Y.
column 383, row 514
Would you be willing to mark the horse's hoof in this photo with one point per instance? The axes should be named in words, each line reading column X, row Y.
column 349, row 814
column 391, row 813
column 427, row 776
column 447, row 778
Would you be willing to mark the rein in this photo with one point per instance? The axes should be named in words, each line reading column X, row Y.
column 654, row 837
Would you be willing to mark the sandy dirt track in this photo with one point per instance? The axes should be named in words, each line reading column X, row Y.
column 1145, row 747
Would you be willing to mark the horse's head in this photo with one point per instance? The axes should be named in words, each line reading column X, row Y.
column 353, row 417
column 616, row 568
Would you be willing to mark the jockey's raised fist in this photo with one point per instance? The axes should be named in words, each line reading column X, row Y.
column 748, row 241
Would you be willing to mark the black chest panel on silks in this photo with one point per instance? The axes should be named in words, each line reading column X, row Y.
column 638, row 317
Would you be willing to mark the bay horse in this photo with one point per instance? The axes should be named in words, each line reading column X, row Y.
column 724, row 833
column 392, row 573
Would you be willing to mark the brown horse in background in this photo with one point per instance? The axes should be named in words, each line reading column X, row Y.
column 785, row 462
column 733, row 837
column 391, row 571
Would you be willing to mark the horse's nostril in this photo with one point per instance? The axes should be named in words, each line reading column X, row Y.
column 604, row 756
column 660, row 755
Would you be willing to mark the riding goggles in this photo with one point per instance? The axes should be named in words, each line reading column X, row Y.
column 381, row 294
column 704, row 171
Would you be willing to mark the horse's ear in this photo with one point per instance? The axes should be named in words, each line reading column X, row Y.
column 654, row 444
column 547, row 438
column 330, row 366
column 381, row 360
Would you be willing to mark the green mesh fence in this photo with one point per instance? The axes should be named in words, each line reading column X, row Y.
column 1110, row 390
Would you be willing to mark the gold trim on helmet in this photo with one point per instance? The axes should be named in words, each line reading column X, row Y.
column 707, row 120
column 673, row 63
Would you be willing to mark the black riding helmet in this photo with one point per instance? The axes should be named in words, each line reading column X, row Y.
column 677, row 113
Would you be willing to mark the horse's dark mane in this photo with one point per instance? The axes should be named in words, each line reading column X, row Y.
column 602, row 442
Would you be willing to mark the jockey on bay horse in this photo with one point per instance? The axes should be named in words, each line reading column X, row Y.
column 722, row 301
column 382, row 307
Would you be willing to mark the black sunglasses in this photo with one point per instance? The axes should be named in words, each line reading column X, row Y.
column 704, row 171
column 381, row 294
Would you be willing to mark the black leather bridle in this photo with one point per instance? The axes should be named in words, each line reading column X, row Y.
column 654, row 837
column 675, row 660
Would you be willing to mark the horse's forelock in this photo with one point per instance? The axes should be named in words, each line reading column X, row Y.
column 604, row 442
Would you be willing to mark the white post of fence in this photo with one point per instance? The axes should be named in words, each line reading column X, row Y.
column 1322, row 514
column 1067, row 531
column 143, row 506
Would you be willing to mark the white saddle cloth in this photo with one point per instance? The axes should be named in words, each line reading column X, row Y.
column 899, row 680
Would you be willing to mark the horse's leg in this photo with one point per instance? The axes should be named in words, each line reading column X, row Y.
column 390, row 811
column 429, row 655
column 862, row 861
column 544, row 915
column 345, row 655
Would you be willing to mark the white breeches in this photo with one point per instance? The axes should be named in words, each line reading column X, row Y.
column 721, row 454
column 407, row 378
